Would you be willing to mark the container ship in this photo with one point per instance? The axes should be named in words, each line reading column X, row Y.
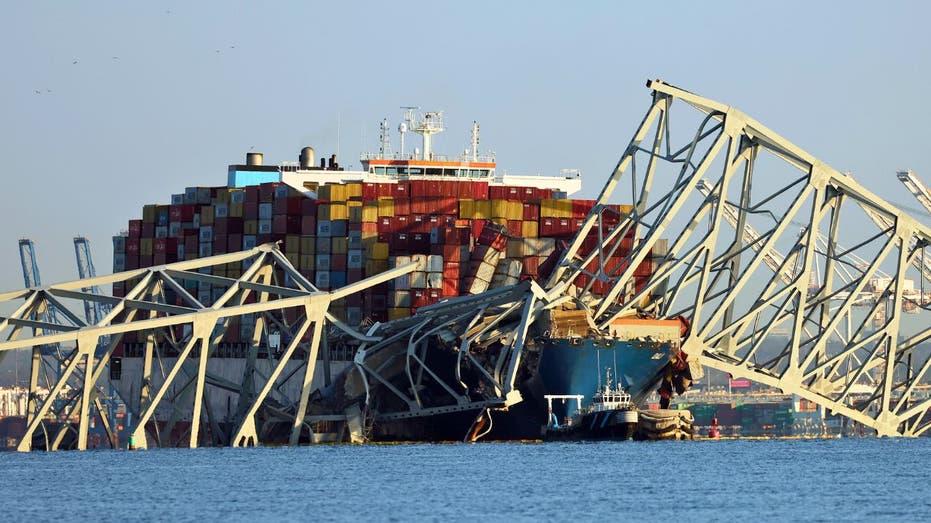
column 470, row 229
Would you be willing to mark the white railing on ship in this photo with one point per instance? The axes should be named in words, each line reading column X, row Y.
column 433, row 157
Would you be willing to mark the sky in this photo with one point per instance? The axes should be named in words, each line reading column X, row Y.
column 107, row 106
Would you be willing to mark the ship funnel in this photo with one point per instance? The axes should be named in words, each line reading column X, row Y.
column 307, row 158
column 253, row 158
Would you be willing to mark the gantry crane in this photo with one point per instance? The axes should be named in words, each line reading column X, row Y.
column 93, row 310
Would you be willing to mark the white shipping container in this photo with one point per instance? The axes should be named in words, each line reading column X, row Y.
column 485, row 272
column 174, row 229
column 161, row 231
column 323, row 228
column 205, row 250
column 355, row 240
column 421, row 261
column 434, row 280
column 418, row 280
column 265, row 226
column 478, row 286
column 434, row 263
column 221, row 210
column 177, row 199
column 399, row 299
column 400, row 261
column 539, row 246
column 248, row 242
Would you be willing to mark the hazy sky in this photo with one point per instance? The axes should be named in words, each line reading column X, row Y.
column 107, row 106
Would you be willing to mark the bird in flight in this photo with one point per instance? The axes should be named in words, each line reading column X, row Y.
column 74, row 62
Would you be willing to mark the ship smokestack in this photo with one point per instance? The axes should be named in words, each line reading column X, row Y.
column 253, row 158
column 307, row 158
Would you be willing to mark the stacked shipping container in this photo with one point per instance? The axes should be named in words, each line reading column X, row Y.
column 466, row 237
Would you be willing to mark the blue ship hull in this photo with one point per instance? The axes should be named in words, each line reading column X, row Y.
column 579, row 366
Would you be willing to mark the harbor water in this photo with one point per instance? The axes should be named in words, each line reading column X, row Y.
column 738, row 480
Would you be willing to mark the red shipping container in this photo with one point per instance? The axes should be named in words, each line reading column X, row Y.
column 250, row 210
column 366, row 227
column 234, row 243
column 132, row 261
column 369, row 191
column 402, row 206
column 455, row 253
column 308, row 207
column 434, row 295
column 401, row 224
column 289, row 205
column 419, row 242
column 450, row 286
column 531, row 212
column 309, row 225
column 165, row 245
column 280, row 224
column 515, row 228
column 419, row 298
column 251, row 194
column 477, row 226
column 219, row 244
column 337, row 262
column 581, row 208
column 135, row 228
column 132, row 246
column 420, row 223
column 267, row 192
column 191, row 244
column 385, row 237
column 385, row 224
column 531, row 265
column 353, row 276
column 399, row 243
column 148, row 230
column 480, row 190
column 421, row 205
column 181, row 213
column 400, row 190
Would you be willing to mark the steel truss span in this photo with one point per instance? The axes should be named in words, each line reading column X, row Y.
column 791, row 273
column 159, row 308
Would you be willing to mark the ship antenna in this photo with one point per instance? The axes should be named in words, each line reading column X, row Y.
column 383, row 137
column 406, row 124
column 474, row 141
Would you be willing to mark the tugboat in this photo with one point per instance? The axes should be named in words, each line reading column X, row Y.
column 611, row 415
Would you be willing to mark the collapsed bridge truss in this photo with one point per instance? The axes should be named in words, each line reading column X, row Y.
column 792, row 326
column 784, row 306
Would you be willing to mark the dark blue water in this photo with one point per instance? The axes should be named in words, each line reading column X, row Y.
column 741, row 481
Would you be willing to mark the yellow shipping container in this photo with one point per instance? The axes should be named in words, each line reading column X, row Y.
column 549, row 208
column 482, row 210
column 220, row 270
column 355, row 212
column 379, row 251
column 396, row 313
column 500, row 221
column 206, row 215
column 625, row 209
column 148, row 213
column 466, row 208
column 295, row 259
column 250, row 227
column 235, row 210
column 308, row 244
column 338, row 211
column 373, row 267
column 332, row 192
column 353, row 190
column 370, row 212
column 292, row 244
column 499, row 209
column 145, row 247
column 307, row 262
column 339, row 244
column 565, row 208
column 234, row 270
column 515, row 210
column 530, row 229
column 385, row 207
